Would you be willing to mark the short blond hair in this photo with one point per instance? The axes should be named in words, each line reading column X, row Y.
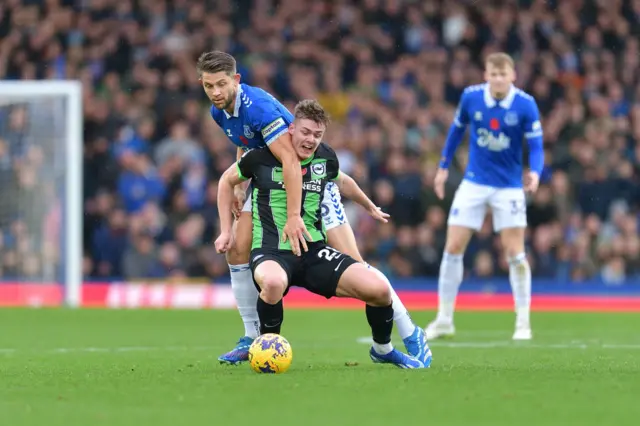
column 500, row 60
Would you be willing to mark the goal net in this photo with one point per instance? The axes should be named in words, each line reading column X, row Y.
column 40, row 191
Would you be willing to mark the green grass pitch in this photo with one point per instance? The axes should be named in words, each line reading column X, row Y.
column 142, row 367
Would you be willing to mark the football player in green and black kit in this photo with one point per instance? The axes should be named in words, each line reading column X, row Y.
column 322, row 269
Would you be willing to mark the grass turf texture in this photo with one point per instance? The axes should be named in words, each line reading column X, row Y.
column 99, row 367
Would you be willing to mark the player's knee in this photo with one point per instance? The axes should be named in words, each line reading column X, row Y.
column 517, row 259
column 516, row 254
column 273, row 287
column 237, row 255
column 455, row 246
column 513, row 248
column 378, row 293
column 513, row 245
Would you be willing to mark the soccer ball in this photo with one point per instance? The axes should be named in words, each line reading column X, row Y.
column 270, row 353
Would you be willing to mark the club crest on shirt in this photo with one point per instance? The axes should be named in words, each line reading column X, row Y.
column 248, row 133
column 511, row 118
column 318, row 168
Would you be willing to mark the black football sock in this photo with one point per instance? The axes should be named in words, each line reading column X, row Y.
column 271, row 316
column 380, row 319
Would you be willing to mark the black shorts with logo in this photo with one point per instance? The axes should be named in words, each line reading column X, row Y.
column 318, row 270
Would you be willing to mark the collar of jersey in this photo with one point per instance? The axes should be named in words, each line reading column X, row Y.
column 308, row 160
column 504, row 103
column 236, row 106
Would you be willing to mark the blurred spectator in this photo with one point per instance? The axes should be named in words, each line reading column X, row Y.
column 168, row 263
column 178, row 144
column 390, row 73
column 139, row 258
column 139, row 182
column 109, row 243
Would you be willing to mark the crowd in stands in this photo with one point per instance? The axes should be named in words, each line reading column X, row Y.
column 390, row 72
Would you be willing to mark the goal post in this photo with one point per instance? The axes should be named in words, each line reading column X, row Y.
column 41, row 126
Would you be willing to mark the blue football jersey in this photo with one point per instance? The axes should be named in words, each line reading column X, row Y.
column 258, row 118
column 498, row 129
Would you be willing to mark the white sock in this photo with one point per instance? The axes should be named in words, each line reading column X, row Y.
column 382, row 349
column 520, row 280
column 451, row 271
column 401, row 316
column 246, row 298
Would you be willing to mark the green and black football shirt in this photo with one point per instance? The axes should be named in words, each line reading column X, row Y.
column 269, row 197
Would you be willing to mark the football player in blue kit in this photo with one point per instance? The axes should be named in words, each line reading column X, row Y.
column 500, row 117
column 252, row 118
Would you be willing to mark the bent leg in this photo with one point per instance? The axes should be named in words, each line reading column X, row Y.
column 341, row 238
column 273, row 281
column 363, row 284
column 329, row 273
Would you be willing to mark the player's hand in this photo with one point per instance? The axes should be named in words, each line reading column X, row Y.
column 531, row 182
column 438, row 184
column 296, row 232
column 377, row 213
column 223, row 242
column 238, row 202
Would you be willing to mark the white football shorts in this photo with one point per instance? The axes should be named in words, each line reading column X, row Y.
column 247, row 204
column 470, row 203
column 333, row 214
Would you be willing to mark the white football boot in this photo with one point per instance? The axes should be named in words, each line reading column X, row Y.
column 523, row 329
column 437, row 329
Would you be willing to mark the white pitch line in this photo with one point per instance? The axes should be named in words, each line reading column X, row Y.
column 116, row 349
column 361, row 340
column 620, row 346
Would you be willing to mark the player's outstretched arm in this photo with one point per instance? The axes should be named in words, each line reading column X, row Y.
column 228, row 181
column 294, row 230
column 350, row 189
